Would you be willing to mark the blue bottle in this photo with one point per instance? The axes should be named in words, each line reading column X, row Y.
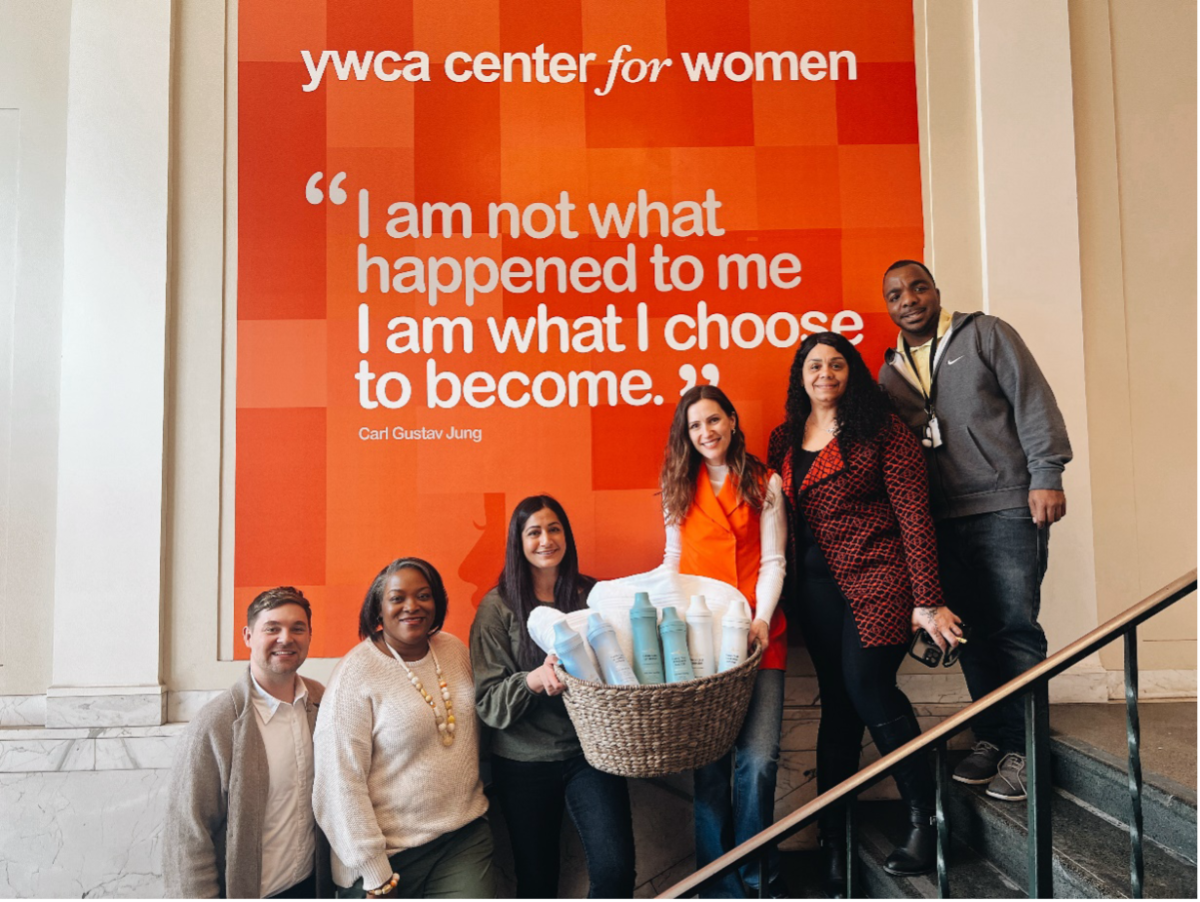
column 613, row 663
column 676, row 658
column 647, row 656
column 568, row 645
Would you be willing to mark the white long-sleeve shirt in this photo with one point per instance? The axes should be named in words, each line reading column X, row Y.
column 288, row 837
column 772, row 538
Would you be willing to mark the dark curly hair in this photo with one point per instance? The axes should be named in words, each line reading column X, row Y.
column 863, row 410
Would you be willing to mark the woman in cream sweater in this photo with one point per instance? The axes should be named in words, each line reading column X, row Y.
column 397, row 788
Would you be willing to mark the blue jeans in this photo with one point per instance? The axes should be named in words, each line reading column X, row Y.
column 991, row 568
column 735, row 796
column 532, row 795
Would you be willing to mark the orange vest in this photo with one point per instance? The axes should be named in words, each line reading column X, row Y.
column 721, row 540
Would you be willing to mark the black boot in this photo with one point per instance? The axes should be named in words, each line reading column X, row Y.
column 837, row 760
column 833, row 863
column 917, row 853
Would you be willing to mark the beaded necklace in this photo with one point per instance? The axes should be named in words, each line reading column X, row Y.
column 445, row 725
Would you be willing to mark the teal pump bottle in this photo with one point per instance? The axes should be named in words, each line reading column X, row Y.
column 568, row 645
column 675, row 647
column 613, row 663
column 647, row 656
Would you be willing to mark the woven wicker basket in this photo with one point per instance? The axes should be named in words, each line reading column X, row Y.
column 660, row 729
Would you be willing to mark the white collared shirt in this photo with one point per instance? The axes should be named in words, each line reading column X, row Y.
column 288, row 839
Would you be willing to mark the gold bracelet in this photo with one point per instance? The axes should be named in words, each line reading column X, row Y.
column 386, row 888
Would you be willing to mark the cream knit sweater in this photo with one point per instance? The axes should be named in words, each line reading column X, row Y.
column 384, row 781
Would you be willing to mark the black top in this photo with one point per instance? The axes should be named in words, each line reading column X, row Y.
column 812, row 561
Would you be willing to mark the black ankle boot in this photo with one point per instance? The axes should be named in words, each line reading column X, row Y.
column 917, row 853
column 833, row 865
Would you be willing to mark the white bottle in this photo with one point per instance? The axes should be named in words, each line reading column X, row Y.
column 735, row 634
column 700, row 637
column 603, row 639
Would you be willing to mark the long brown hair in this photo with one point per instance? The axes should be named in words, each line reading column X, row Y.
column 682, row 462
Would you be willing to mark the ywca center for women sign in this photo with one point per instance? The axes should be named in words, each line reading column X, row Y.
column 483, row 247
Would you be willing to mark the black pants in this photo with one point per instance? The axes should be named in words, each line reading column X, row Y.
column 305, row 889
column 532, row 796
column 858, row 685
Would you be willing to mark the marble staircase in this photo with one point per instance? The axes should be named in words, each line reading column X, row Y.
column 1089, row 814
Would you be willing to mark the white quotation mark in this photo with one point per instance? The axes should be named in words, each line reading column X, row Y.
column 687, row 373
column 314, row 195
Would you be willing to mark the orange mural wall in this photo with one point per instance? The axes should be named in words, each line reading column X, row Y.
column 401, row 184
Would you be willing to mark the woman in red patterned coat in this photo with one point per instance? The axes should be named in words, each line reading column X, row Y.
column 863, row 576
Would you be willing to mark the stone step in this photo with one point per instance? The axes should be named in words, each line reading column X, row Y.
column 1101, row 780
column 1091, row 853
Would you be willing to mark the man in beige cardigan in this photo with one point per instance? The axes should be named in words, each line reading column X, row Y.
column 239, row 810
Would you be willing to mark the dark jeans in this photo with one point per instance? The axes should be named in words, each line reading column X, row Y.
column 456, row 865
column 735, row 796
column 532, row 795
column 858, row 685
column 305, row 889
column 991, row 568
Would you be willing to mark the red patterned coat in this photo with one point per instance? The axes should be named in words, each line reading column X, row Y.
column 869, row 510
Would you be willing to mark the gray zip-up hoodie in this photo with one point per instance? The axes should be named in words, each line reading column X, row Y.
column 1002, row 432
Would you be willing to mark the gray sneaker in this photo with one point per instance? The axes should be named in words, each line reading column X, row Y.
column 1009, row 782
column 980, row 766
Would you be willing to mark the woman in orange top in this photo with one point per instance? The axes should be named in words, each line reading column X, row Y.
column 726, row 520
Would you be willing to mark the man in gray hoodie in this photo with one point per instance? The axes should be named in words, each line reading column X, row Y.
column 995, row 448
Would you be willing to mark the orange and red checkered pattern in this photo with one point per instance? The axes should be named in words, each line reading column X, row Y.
column 827, row 170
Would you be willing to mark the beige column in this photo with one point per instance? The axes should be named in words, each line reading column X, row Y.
column 1029, row 254
column 109, row 544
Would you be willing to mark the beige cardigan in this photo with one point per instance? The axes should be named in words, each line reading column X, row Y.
column 212, row 836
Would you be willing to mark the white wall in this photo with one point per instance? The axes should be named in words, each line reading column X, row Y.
column 111, row 418
column 1031, row 271
column 1135, row 119
column 34, row 42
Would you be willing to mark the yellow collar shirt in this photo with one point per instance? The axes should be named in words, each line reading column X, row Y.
column 920, row 354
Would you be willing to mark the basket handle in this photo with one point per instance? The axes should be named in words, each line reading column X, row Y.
column 565, row 678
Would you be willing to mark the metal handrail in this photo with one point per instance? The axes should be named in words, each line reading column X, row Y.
column 1034, row 682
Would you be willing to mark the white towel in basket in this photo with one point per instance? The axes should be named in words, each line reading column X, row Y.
column 613, row 598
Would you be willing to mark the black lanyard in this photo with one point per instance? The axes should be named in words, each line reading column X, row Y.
column 928, row 396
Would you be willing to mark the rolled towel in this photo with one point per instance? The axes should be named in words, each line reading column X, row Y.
column 614, row 597
column 541, row 627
